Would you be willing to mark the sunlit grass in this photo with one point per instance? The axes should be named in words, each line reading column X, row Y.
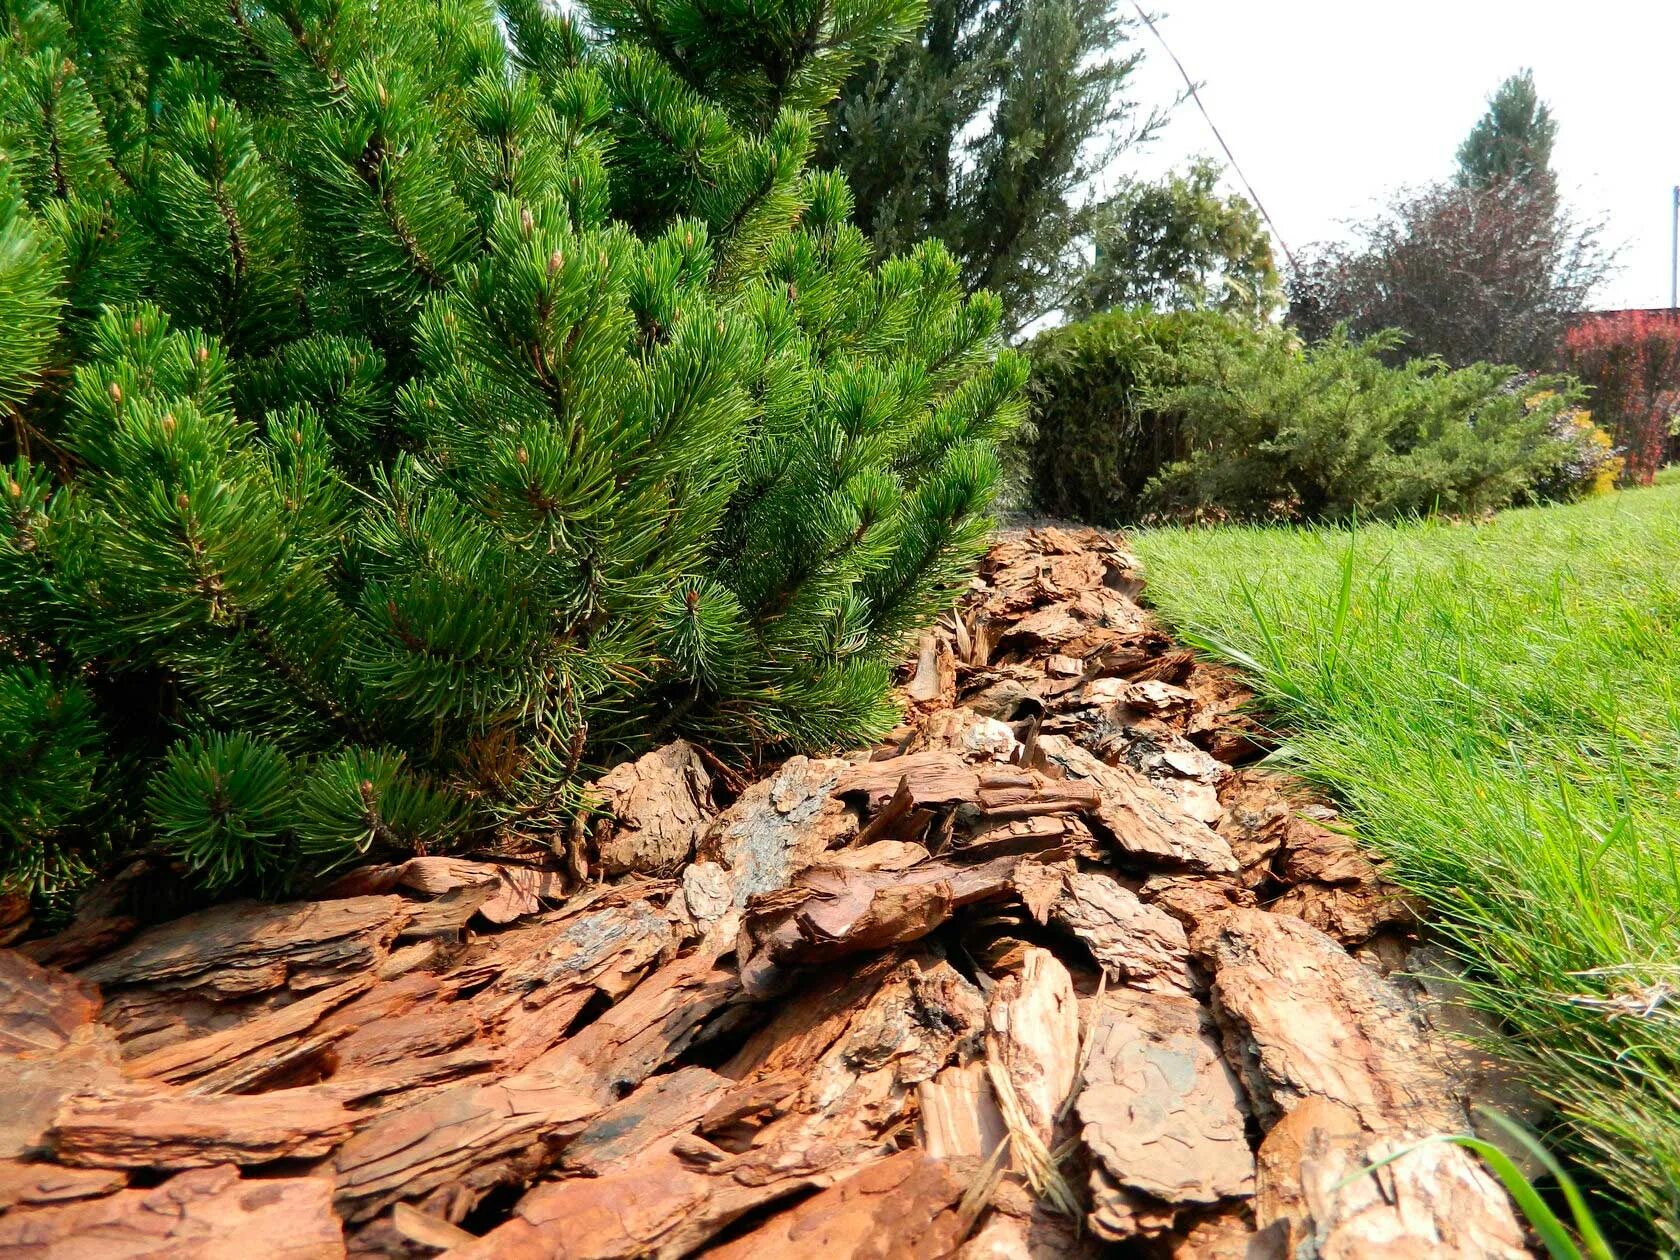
column 1498, row 707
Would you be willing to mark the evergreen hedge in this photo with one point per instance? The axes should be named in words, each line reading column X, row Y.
column 1139, row 415
column 412, row 405
column 1097, row 437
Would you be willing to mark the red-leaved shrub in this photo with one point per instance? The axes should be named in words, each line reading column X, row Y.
column 1631, row 359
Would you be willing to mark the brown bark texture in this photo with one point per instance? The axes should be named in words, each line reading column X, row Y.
column 1055, row 967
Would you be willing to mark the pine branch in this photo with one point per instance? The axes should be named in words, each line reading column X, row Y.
column 242, row 24
column 369, row 166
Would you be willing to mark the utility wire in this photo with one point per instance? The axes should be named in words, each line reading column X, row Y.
column 1229, row 156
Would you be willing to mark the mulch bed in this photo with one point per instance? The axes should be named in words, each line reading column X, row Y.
column 1056, row 968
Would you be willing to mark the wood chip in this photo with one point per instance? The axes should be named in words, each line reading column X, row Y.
column 810, row 1098
column 832, row 911
column 934, row 681
column 431, row 876
column 426, row 1230
column 1161, row 1113
column 245, row 1054
column 217, row 949
column 204, row 1214
column 976, row 737
column 40, row 1010
column 34, row 1185
column 657, row 806
column 932, row 778
column 1143, row 822
column 959, row 1114
column 902, row 1208
column 50, row 1050
column 1302, row 1019
column 15, row 917
column 778, row 826
column 1137, row 944
column 480, row 1136
column 1032, row 1034
column 521, row 891
column 165, row 1131
column 1225, row 1236
column 1436, row 1202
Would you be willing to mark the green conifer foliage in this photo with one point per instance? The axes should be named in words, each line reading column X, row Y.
column 413, row 406
column 989, row 131
column 1512, row 140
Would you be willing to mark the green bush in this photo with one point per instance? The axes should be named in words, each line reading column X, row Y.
column 1140, row 415
column 1275, row 430
column 1097, row 437
column 413, row 406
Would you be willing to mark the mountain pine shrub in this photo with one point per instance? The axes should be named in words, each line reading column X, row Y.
column 412, row 405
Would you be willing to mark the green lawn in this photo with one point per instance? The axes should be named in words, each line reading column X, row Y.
column 1498, row 708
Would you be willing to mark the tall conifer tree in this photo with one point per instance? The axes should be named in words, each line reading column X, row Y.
column 986, row 132
column 1512, row 140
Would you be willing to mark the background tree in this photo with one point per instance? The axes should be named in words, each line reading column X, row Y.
column 1179, row 245
column 985, row 132
column 414, row 406
column 1489, row 266
column 1512, row 140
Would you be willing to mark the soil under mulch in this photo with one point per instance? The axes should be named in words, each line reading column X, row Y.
column 1047, row 973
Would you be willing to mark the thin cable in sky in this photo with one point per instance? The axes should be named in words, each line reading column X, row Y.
column 1229, row 156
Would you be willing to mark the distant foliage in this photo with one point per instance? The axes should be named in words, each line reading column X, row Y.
column 1177, row 245
column 1489, row 266
column 1141, row 415
column 1594, row 464
column 1468, row 274
column 1631, row 361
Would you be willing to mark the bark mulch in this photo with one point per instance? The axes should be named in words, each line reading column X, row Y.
column 1055, row 969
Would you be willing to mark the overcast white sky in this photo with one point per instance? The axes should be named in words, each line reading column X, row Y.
column 1330, row 104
